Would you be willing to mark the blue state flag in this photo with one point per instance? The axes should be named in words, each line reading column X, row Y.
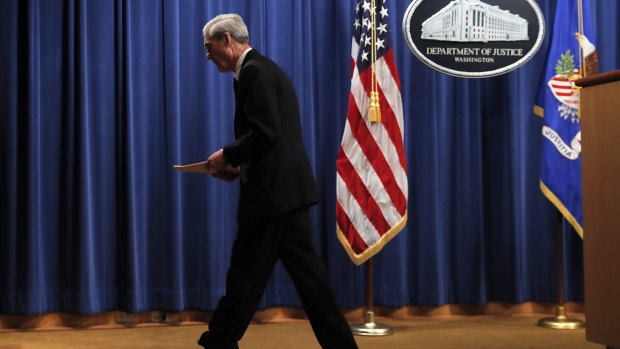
column 572, row 55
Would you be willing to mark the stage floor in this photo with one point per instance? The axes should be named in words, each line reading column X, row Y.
column 477, row 332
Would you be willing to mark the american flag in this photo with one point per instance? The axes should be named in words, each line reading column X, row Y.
column 371, row 188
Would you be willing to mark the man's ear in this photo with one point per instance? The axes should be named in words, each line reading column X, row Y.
column 226, row 39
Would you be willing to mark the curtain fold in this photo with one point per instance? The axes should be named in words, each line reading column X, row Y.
column 99, row 99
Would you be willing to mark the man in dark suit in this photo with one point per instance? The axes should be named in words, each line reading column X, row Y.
column 277, row 187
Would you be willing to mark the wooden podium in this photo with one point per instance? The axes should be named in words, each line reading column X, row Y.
column 600, row 133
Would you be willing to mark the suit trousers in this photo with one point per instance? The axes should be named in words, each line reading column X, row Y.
column 255, row 252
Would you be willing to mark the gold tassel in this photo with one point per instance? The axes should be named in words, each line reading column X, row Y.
column 374, row 112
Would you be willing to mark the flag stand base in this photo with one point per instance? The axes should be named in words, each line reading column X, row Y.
column 370, row 328
column 561, row 322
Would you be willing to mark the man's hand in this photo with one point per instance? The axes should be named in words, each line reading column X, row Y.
column 220, row 168
column 216, row 162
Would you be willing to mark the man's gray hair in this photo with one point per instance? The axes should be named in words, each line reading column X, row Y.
column 230, row 23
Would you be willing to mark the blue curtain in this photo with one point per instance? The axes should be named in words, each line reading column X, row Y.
column 99, row 99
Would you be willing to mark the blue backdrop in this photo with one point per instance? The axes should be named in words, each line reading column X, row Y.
column 99, row 99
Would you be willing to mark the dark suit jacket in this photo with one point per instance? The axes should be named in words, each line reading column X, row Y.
column 276, row 176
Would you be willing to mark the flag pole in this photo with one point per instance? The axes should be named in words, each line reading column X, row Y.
column 560, row 321
column 369, row 327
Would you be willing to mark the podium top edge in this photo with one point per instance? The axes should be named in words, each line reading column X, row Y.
column 598, row 79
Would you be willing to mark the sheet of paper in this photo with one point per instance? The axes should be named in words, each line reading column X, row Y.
column 199, row 167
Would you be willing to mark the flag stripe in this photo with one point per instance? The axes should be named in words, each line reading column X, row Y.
column 370, row 178
column 391, row 64
column 396, row 136
column 359, row 219
column 394, row 121
column 388, row 85
column 360, row 193
column 374, row 154
column 387, row 81
column 354, row 239
column 383, row 138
